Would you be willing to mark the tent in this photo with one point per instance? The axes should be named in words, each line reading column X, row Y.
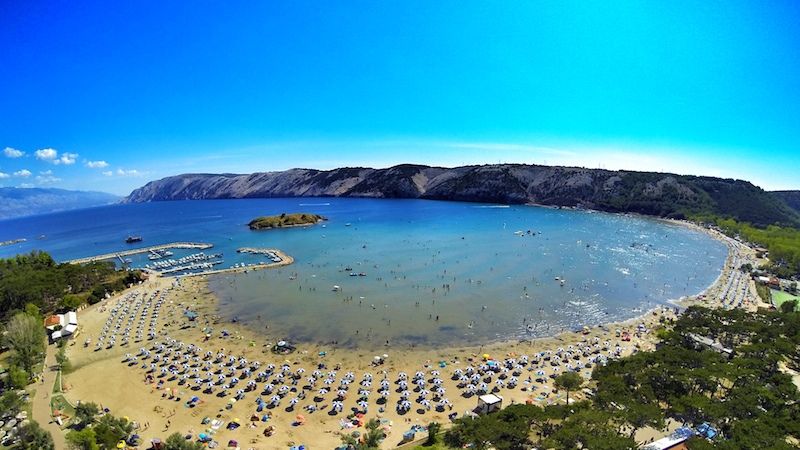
column 69, row 329
column 72, row 318
column 489, row 403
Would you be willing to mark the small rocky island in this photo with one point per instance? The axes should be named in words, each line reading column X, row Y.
column 284, row 221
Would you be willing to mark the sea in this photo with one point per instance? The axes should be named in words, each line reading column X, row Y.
column 433, row 273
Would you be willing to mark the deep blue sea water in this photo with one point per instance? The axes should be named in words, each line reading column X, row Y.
column 460, row 262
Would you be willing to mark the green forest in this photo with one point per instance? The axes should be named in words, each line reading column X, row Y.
column 37, row 279
column 783, row 243
column 748, row 398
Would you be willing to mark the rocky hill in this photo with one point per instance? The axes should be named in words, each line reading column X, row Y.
column 658, row 194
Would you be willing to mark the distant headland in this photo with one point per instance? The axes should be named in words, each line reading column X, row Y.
column 284, row 221
column 655, row 194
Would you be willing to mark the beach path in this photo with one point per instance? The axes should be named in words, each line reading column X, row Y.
column 41, row 401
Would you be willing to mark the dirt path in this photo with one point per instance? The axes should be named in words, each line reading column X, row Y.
column 41, row 401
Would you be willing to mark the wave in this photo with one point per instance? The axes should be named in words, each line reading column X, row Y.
column 313, row 204
column 492, row 206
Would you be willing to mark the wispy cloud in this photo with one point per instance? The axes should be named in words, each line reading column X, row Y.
column 510, row 147
column 129, row 173
column 96, row 164
column 4, row 175
column 23, row 173
column 13, row 153
column 47, row 177
column 108, row 173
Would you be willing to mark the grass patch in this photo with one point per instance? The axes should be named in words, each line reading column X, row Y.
column 60, row 403
column 780, row 297
column 57, row 384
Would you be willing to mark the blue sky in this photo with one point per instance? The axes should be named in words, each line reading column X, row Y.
column 106, row 96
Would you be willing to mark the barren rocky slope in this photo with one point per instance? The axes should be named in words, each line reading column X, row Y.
column 658, row 194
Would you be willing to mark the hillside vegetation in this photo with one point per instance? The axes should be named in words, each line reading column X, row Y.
column 36, row 279
column 747, row 398
column 783, row 243
column 284, row 220
column 791, row 198
column 657, row 194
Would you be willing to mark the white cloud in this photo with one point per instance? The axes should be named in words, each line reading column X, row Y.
column 13, row 153
column 46, row 154
column 24, row 173
column 4, row 175
column 129, row 173
column 51, row 155
column 96, row 164
column 108, row 173
column 26, row 185
column 46, row 172
column 67, row 159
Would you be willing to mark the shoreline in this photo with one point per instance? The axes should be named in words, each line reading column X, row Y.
column 101, row 377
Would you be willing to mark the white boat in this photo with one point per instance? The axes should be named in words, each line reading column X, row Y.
column 336, row 288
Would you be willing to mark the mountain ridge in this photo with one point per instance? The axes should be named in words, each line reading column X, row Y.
column 651, row 193
column 19, row 202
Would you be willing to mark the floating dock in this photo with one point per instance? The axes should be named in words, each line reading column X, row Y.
column 135, row 251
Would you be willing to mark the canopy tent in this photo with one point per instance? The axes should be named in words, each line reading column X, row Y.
column 489, row 403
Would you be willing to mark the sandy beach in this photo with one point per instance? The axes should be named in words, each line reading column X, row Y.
column 158, row 402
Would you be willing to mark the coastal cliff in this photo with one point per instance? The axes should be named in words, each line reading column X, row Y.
column 657, row 194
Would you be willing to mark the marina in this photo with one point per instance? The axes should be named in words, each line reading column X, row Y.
column 136, row 251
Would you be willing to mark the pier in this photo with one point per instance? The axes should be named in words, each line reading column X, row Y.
column 135, row 251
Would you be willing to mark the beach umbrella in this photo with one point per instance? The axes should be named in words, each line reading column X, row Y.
column 323, row 391
column 363, row 405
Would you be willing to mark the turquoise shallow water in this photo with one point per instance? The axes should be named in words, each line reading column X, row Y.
column 460, row 262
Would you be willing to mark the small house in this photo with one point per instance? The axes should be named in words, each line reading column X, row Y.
column 489, row 403
column 62, row 325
